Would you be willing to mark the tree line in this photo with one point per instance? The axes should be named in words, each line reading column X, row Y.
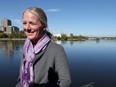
column 21, row 34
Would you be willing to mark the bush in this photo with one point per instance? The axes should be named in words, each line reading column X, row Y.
column 3, row 35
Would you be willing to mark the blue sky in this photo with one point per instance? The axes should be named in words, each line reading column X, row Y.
column 80, row 17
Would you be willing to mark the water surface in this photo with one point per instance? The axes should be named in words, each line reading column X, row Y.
column 90, row 61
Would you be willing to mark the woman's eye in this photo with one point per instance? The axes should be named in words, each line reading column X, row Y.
column 32, row 23
column 24, row 23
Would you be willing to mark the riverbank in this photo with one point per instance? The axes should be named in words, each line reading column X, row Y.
column 12, row 38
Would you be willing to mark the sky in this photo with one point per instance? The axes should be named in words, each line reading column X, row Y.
column 80, row 17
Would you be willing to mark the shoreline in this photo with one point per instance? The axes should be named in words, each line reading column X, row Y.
column 12, row 38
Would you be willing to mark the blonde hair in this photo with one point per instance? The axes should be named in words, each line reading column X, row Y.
column 39, row 13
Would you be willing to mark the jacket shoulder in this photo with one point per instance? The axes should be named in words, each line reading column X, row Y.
column 55, row 46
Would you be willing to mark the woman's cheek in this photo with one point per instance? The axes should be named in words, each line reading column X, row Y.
column 37, row 33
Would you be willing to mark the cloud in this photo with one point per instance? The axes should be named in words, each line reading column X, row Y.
column 53, row 10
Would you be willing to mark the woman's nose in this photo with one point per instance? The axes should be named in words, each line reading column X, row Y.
column 27, row 26
column 27, row 30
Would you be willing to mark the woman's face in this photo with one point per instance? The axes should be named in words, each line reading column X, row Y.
column 32, row 26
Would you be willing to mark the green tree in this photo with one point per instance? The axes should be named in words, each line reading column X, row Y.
column 22, row 34
column 71, row 36
column 64, row 37
column 3, row 35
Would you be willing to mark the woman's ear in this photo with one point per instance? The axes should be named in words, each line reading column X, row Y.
column 44, row 28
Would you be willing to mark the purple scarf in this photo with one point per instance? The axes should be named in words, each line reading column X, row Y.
column 29, row 52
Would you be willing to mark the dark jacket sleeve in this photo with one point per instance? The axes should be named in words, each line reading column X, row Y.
column 62, row 68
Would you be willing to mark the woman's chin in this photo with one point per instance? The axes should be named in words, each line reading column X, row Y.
column 30, row 37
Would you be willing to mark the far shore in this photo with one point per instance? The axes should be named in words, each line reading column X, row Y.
column 12, row 38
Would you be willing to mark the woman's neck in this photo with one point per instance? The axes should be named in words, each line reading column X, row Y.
column 34, row 41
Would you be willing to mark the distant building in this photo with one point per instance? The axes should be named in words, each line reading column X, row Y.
column 6, row 22
column 57, row 35
column 6, row 27
column 2, row 28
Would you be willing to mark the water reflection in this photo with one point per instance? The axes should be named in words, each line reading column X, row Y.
column 10, row 52
column 8, row 48
column 72, row 42
column 63, row 42
column 58, row 41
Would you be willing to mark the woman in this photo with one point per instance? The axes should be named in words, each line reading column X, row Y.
column 44, row 63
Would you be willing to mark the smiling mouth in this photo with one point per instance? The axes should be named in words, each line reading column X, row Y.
column 29, row 30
